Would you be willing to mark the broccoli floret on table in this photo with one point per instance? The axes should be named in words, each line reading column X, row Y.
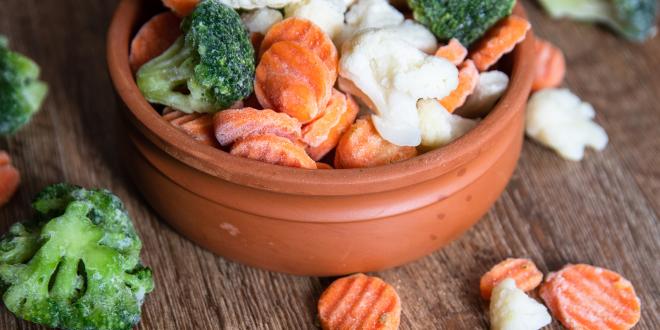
column 78, row 270
column 21, row 92
column 207, row 69
column 465, row 20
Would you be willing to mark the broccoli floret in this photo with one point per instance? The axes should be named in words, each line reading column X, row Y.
column 78, row 270
column 633, row 19
column 21, row 92
column 465, row 20
column 208, row 69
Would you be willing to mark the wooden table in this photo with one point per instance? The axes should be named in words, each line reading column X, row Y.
column 602, row 211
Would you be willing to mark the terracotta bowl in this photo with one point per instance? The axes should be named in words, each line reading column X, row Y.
column 316, row 222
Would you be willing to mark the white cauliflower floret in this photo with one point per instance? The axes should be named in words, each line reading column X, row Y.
column 260, row 20
column 327, row 14
column 415, row 34
column 512, row 309
column 491, row 86
column 438, row 126
column 254, row 4
column 560, row 120
column 369, row 14
column 394, row 75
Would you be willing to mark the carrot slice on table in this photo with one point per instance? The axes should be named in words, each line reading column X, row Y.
column 362, row 146
column 359, row 302
column 453, row 51
column 499, row 40
column 232, row 125
column 10, row 178
column 468, row 79
column 523, row 271
column 550, row 65
column 308, row 35
column 198, row 126
column 154, row 38
column 182, row 8
column 274, row 150
column 322, row 135
column 587, row 297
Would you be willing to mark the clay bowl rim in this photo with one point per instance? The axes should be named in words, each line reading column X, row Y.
column 255, row 174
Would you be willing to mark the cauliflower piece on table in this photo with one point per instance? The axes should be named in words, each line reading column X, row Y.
column 438, row 126
column 394, row 75
column 558, row 119
column 369, row 14
column 261, row 20
column 491, row 86
column 327, row 14
column 512, row 309
column 254, row 4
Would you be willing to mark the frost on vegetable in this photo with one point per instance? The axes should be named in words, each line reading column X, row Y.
column 512, row 309
column 327, row 14
column 438, row 126
column 254, row 4
column 558, row 119
column 260, row 20
column 491, row 86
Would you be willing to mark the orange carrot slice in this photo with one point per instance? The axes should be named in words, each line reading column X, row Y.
column 362, row 146
column 308, row 35
column 499, row 40
column 198, row 126
column 10, row 178
column 550, row 65
column 523, row 271
column 468, row 78
column 292, row 79
column 587, row 297
column 154, row 38
column 453, row 51
column 274, row 150
column 182, row 8
column 323, row 166
column 232, row 125
column 359, row 302
column 322, row 135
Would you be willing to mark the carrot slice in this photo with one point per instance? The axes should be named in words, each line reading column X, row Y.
column 323, row 166
column 499, row 40
column 523, row 271
column 232, row 125
column 468, row 79
column 154, row 38
column 274, row 150
column 10, row 178
column 359, row 302
column 308, row 35
column 198, row 126
column 322, row 135
column 587, row 297
column 362, row 146
column 550, row 65
column 453, row 51
column 292, row 79
column 182, row 8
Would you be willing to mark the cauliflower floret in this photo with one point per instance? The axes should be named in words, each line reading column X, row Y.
column 369, row 14
column 394, row 75
column 415, row 34
column 560, row 120
column 512, row 309
column 327, row 14
column 261, row 20
column 491, row 86
column 439, row 127
column 254, row 4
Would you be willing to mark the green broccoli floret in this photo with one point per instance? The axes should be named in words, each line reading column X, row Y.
column 465, row 20
column 633, row 19
column 21, row 92
column 78, row 270
column 208, row 69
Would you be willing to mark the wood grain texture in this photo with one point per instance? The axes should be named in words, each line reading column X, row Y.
column 602, row 211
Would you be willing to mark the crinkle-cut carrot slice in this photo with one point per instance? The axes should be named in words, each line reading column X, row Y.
column 292, row 79
column 182, row 8
column 468, row 79
column 308, row 35
column 550, row 65
column 587, row 297
column 453, row 52
column 499, row 40
column 232, row 125
column 522, row 271
column 359, row 302
column 274, row 150
column 154, row 38
column 322, row 135
column 10, row 178
column 198, row 126
column 362, row 146
column 323, row 166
